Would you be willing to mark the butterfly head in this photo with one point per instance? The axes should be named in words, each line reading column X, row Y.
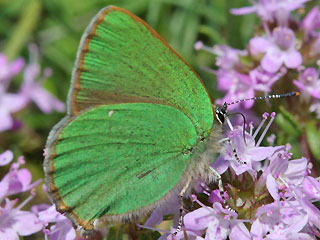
column 221, row 113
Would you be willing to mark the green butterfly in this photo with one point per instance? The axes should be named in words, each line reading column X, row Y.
column 139, row 127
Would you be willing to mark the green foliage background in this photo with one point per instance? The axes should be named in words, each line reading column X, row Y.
column 56, row 27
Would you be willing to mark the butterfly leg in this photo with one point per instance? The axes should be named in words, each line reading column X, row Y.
column 233, row 149
column 217, row 177
column 181, row 211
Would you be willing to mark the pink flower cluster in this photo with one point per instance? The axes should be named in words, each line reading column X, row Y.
column 270, row 196
column 30, row 90
column 284, row 47
column 14, row 221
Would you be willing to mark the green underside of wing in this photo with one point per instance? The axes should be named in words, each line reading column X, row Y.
column 115, row 159
column 125, row 63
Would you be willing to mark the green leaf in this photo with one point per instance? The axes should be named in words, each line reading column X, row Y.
column 313, row 138
column 288, row 123
column 212, row 33
column 24, row 29
column 234, row 24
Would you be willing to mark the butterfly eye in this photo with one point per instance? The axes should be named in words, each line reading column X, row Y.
column 221, row 113
column 220, row 117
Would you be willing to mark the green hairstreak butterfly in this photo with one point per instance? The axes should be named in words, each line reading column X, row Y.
column 139, row 125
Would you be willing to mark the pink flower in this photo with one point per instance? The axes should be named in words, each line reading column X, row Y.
column 237, row 85
column 14, row 222
column 263, row 80
column 241, row 86
column 311, row 22
column 315, row 107
column 9, row 70
column 216, row 221
column 279, row 49
column 284, row 220
column 62, row 229
column 16, row 180
column 282, row 173
column 6, row 157
column 269, row 10
column 227, row 57
column 273, row 199
column 309, row 83
column 311, row 187
column 33, row 90
column 249, row 153
column 9, row 103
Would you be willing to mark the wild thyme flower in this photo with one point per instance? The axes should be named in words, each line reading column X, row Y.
column 271, row 10
column 309, row 83
column 17, row 180
column 32, row 90
column 6, row 157
column 9, row 102
column 9, row 70
column 311, row 22
column 14, row 221
column 57, row 226
column 279, row 48
column 227, row 57
column 272, row 195
column 284, row 48
column 250, row 153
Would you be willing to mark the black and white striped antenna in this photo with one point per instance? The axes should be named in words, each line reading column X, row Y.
column 222, row 113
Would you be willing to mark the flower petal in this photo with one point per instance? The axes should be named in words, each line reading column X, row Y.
column 198, row 219
column 24, row 177
column 311, row 187
column 221, row 165
column 217, row 230
column 243, row 10
column 16, row 66
column 4, row 186
column 8, row 234
column 312, row 211
column 260, row 153
column 257, row 230
column 26, row 223
column 292, row 59
column 6, row 157
column 14, row 102
column 45, row 100
column 296, row 170
column 239, row 232
column 272, row 61
column 259, row 45
column 62, row 230
column 51, row 215
column 300, row 85
column 272, row 187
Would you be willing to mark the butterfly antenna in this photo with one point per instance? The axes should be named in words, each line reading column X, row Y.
column 283, row 95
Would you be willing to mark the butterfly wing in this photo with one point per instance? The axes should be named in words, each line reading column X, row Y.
column 119, row 161
column 138, row 116
column 122, row 60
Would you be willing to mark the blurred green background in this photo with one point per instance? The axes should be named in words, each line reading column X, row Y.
column 56, row 26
